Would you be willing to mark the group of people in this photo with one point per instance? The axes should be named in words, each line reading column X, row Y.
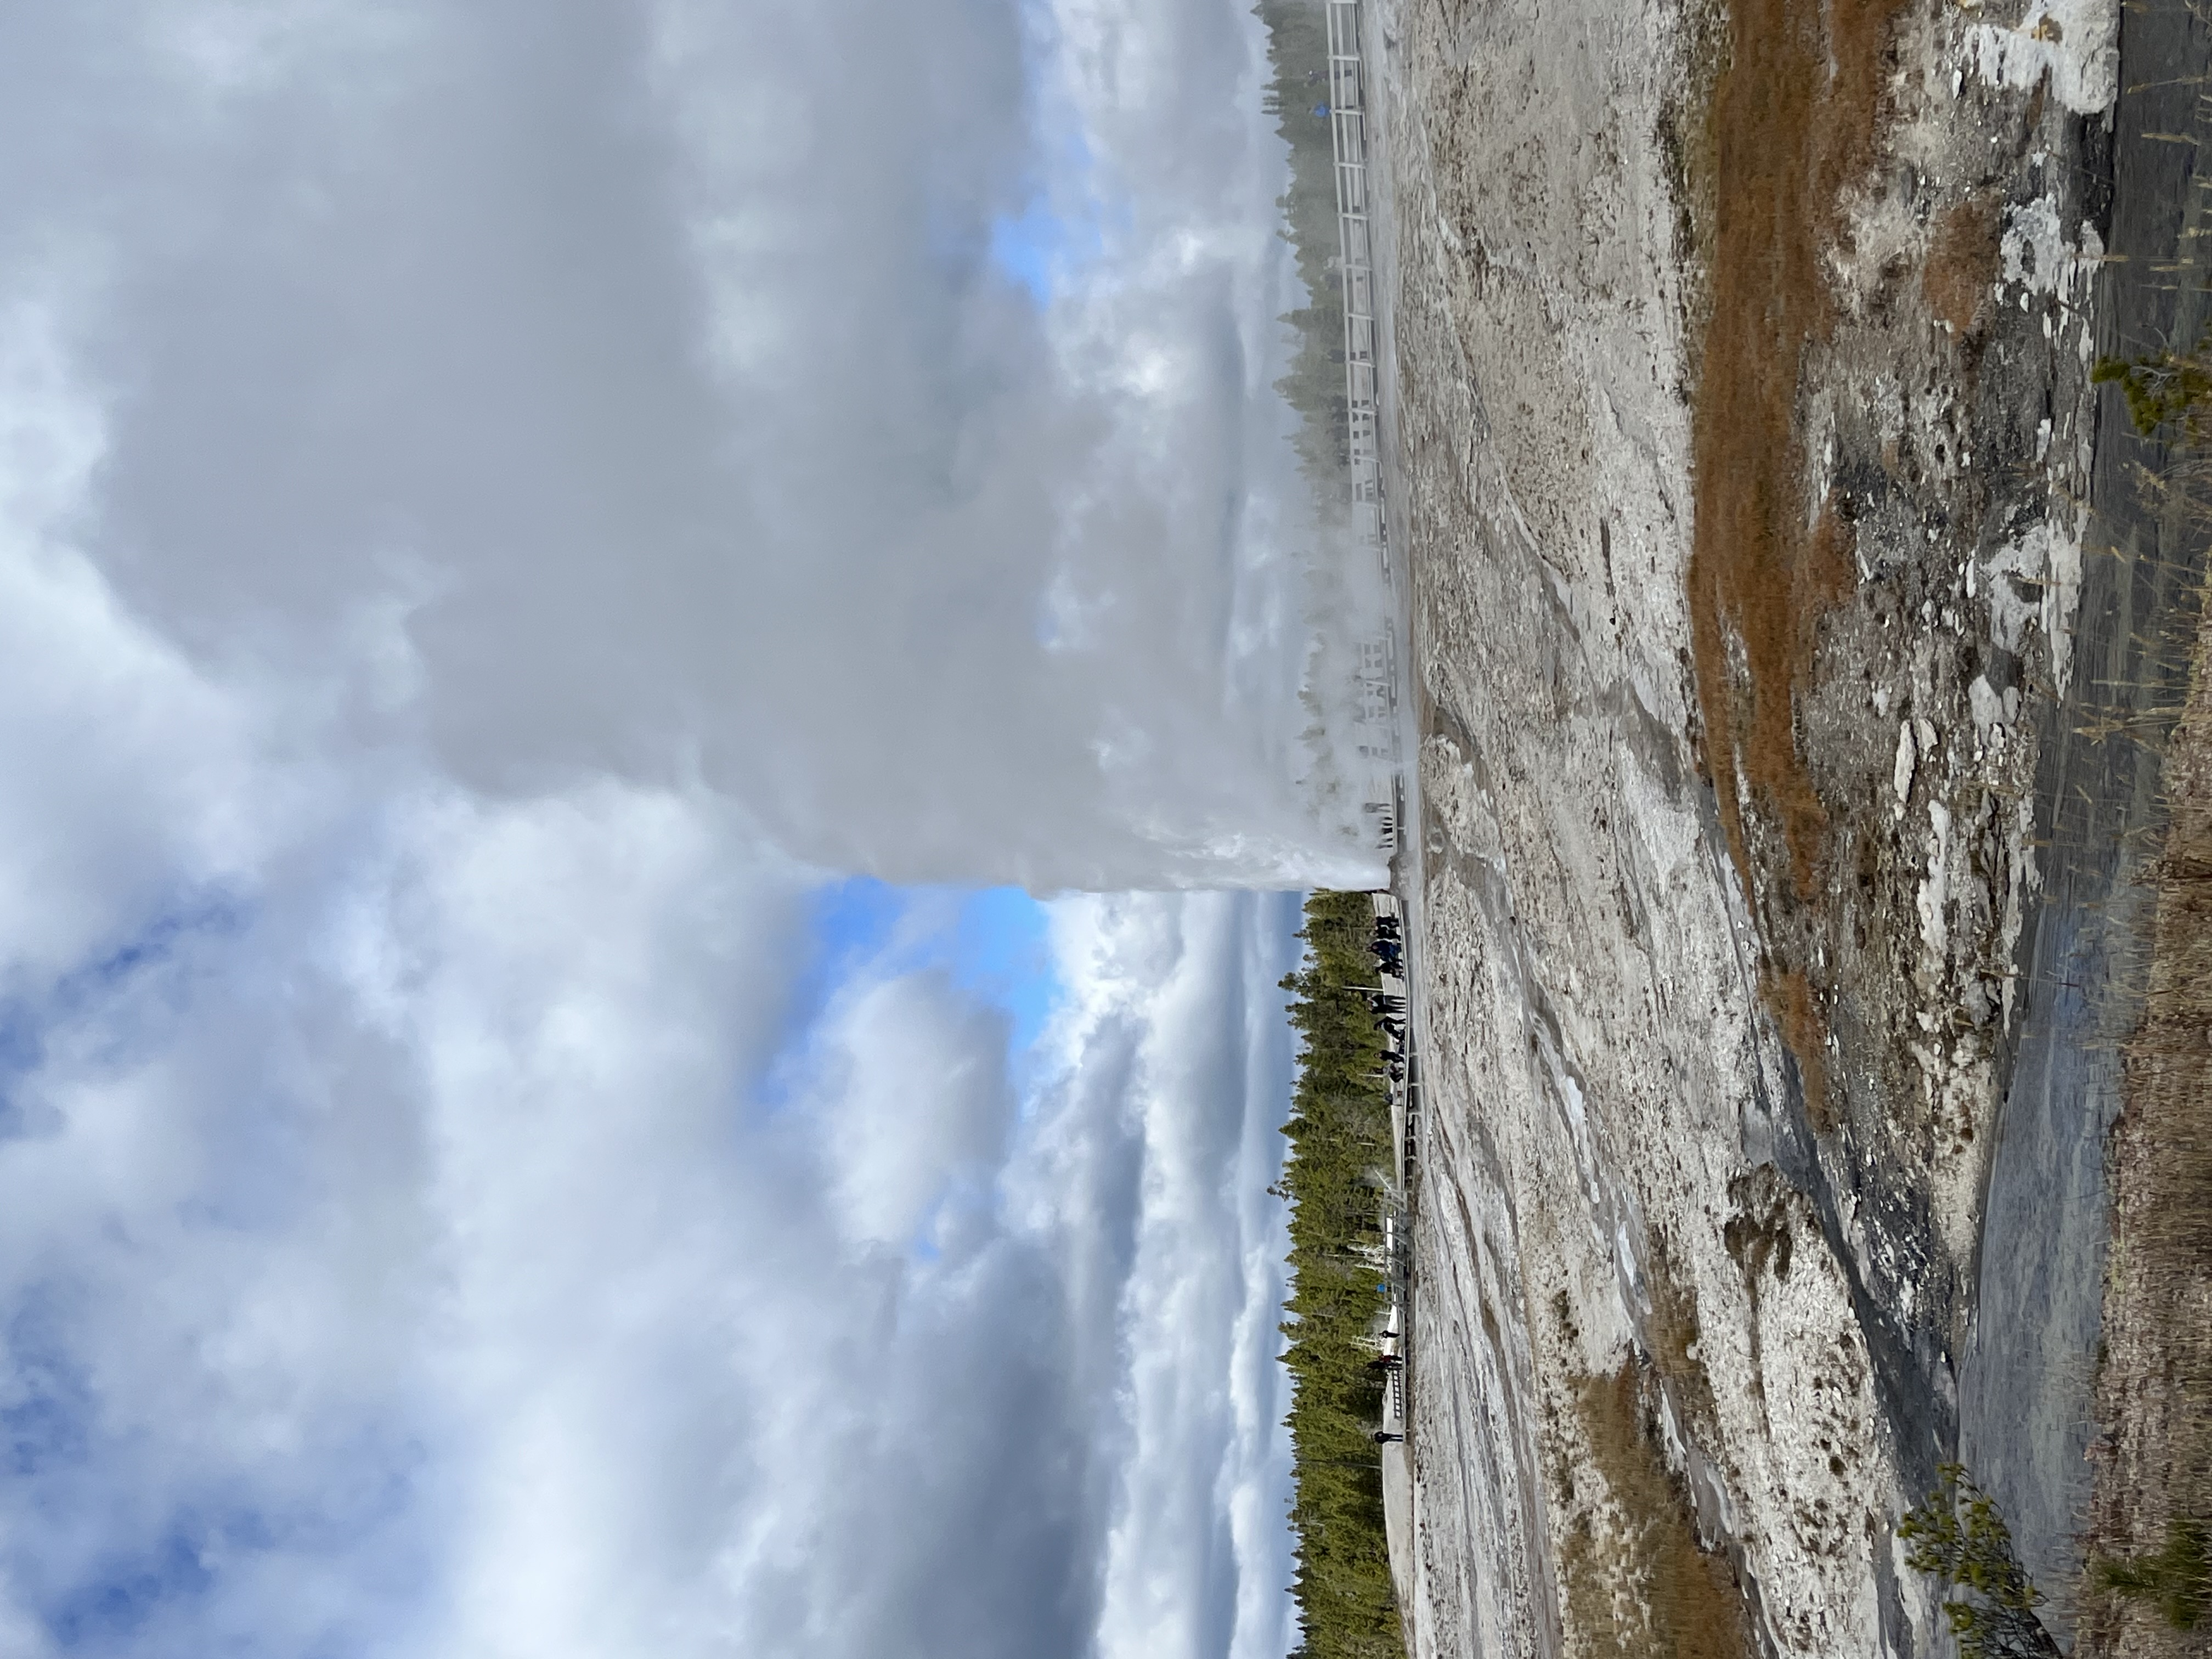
column 1386, row 824
column 1389, row 1011
column 1388, row 1007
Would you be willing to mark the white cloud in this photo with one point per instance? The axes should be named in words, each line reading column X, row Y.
column 1173, row 1001
column 914, row 1098
column 417, row 659
column 401, row 1259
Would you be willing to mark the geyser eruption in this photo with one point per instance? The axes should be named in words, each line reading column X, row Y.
column 571, row 429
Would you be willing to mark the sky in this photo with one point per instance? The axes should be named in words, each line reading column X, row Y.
column 649, row 679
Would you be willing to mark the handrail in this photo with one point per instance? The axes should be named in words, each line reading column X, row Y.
column 1347, row 122
column 1347, row 127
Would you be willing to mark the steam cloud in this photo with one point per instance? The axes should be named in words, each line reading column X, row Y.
column 630, row 389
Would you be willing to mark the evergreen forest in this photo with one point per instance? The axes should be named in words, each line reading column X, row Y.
column 1336, row 1178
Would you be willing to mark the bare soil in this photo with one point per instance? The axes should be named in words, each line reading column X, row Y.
column 1962, row 263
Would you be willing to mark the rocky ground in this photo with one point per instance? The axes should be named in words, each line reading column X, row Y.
column 1721, row 1002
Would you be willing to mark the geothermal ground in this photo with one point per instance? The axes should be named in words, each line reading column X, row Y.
column 1791, row 630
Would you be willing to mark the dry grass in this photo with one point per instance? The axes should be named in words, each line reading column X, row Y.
column 1685, row 143
column 2154, row 1397
column 1792, row 122
column 1673, row 1334
column 1791, row 126
column 1962, row 263
column 1637, row 1584
column 1791, row 997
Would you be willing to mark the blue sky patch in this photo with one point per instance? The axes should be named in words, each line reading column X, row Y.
column 117, row 1604
column 1002, row 955
column 994, row 942
column 1062, row 228
column 1028, row 249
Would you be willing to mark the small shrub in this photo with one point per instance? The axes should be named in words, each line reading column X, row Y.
column 2176, row 1580
column 2163, row 387
column 1958, row 1536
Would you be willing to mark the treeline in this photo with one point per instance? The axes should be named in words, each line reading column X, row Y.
column 1298, row 51
column 1335, row 1178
